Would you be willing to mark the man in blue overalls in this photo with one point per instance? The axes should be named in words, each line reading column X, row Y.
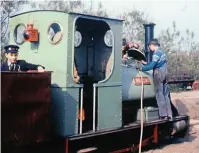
column 160, row 73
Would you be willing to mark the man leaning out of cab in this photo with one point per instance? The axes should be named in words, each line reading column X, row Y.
column 13, row 64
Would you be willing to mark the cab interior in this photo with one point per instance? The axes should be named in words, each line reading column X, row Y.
column 93, row 60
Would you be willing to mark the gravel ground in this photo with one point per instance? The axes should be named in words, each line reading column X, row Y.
column 186, row 103
column 189, row 144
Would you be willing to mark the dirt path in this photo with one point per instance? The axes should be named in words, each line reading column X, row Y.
column 190, row 144
column 186, row 103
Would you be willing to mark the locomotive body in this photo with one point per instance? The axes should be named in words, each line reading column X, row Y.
column 131, row 84
column 107, row 89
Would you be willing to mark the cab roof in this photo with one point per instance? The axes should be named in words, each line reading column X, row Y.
column 67, row 13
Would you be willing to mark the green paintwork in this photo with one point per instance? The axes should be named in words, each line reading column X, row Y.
column 130, row 91
column 53, row 57
column 110, row 98
column 105, row 99
column 59, row 59
column 56, row 58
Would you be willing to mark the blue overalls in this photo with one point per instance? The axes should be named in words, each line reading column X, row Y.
column 160, row 74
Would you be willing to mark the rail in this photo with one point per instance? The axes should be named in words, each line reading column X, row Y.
column 181, row 85
column 180, row 77
column 180, row 81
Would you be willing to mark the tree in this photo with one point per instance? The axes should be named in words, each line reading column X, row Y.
column 183, row 52
column 101, row 11
column 70, row 6
column 61, row 5
column 8, row 8
column 133, row 29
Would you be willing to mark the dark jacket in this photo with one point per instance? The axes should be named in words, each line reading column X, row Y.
column 21, row 65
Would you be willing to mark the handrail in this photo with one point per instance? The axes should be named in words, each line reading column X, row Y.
column 94, row 106
column 81, row 108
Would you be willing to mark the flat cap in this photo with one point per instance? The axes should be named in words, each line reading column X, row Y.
column 11, row 48
column 154, row 42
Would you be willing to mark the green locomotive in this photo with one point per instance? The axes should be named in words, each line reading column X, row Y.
column 107, row 91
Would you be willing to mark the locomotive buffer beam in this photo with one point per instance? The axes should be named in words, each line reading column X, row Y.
column 121, row 139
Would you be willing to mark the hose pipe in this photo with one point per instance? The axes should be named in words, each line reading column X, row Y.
column 141, row 108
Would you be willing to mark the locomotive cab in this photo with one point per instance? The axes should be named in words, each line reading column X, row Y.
column 93, row 56
column 97, row 54
column 62, row 40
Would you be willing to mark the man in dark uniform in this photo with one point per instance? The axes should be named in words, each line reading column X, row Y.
column 12, row 64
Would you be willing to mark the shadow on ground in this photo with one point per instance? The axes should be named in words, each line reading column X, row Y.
column 169, row 141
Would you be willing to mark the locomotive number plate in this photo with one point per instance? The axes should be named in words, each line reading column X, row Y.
column 137, row 81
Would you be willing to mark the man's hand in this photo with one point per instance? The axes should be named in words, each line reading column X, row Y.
column 125, row 57
column 40, row 69
column 123, row 48
column 143, row 62
column 136, row 46
column 76, row 79
column 138, row 66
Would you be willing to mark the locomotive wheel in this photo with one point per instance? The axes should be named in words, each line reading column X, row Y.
column 184, row 133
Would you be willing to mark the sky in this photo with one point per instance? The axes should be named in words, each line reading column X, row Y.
column 161, row 12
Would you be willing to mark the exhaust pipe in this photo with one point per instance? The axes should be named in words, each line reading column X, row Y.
column 149, row 34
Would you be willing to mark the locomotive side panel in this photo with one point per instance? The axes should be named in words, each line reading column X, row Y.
column 109, row 92
column 51, row 55
column 25, row 108
column 64, row 113
column 131, row 80
column 130, row 88
column 105, row 71
column 51, row 51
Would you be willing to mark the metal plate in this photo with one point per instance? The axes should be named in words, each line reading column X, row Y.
column 109, row 107
column 25, row 105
